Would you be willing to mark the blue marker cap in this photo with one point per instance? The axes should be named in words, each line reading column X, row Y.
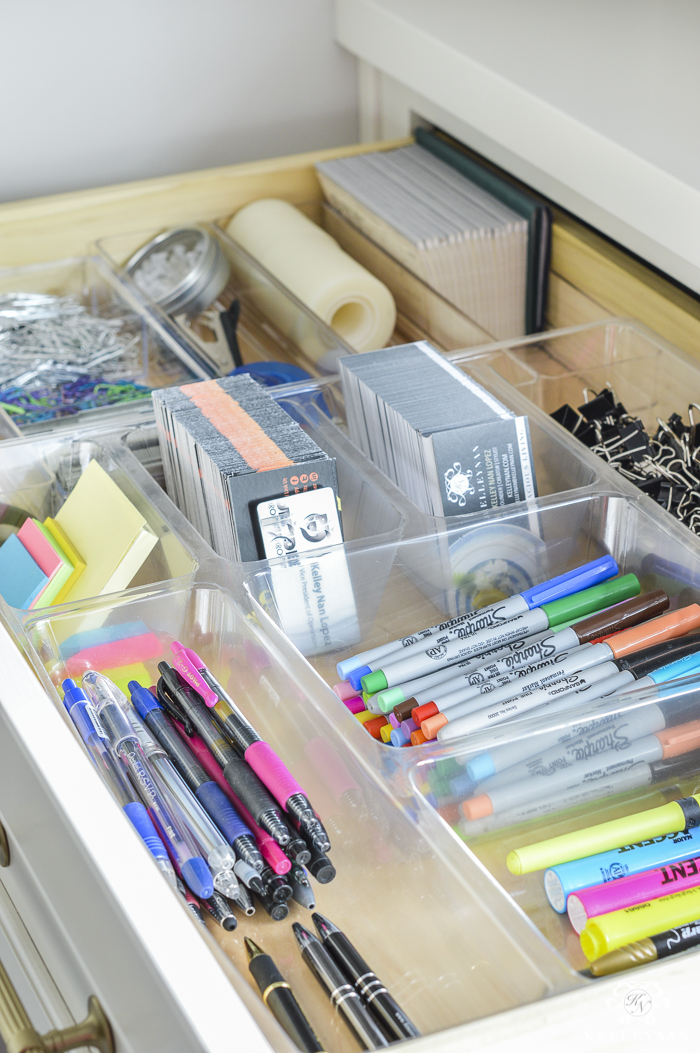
column 480, row 767
column 355, row 676
column 142, row 699
column 398, row 737
column 681, row 667
column 573, row 581
column 462, row 785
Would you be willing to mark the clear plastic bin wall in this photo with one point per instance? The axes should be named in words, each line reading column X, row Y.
column 445, row 912
column 439, row 779
column 149, row 362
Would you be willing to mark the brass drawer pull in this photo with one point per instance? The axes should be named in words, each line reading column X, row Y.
column 20, row 1037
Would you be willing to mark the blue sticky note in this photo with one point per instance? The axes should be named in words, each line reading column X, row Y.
column 21, row 579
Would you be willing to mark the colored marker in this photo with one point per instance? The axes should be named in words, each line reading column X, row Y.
column 648, row 751
column 639, row 888
column 344, row 998
column 608, row 931
column 648, row 949
column 677, row 815
column 499, row 633
column 670, row 625
column 383, row 1007
column 564, row 585
column 651, row 718
column 280, row 1000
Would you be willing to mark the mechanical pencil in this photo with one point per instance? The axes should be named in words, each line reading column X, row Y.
column 612, row 619
column 500, row 633
column 302, row 893
column 565, row 879
column 83, row 716
column 648, row 949
column 370, row 988
column 639, row 888
column 279, row 999
column 677, row 815
column 608, row 931
column 654, row 717
column 676, row 742
column 125, row 744
column 670, row 625
column 240, row 776
column 572, row 581
column 344, row 998
column 258, row 754
column 208, row 793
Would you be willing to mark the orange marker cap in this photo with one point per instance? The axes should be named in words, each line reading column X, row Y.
column 681, row 739
column 667, row 627
column 421, row 713
column 432, row 725
column 417, row 738
column 375, row 726
column 477, row 807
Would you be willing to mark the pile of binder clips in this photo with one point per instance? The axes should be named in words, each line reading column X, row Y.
column 665, row 466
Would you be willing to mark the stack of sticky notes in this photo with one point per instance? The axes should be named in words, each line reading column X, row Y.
column 96, row 544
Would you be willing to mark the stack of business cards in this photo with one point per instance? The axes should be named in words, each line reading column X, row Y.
column 444, row 440
column 229, row 447
column 460, row 239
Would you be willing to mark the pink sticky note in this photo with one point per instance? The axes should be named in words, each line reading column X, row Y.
column 39, row 548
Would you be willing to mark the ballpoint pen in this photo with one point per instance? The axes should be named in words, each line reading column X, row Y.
column 243, row 899
column 380, row 1003
column 76, row 702
column 125, row 744
column 302, row 893
column 279, row 999
column 175, row 692
column 259, row 754
column 208, row 793
column 219, row 855
column 343, row 995
column 221, row 911
column 190, row 899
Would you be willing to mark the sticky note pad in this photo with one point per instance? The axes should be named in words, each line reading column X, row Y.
column 124, row 673
column 111, row 535
column 63, row 544
column 21, row 577
column 52, row 560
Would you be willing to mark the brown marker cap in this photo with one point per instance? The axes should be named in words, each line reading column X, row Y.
column 404, row 709
column 622, row 616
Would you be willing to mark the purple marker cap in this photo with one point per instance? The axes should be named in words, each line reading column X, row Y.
column 573, row 581
column 409, row 726
column 393, row 720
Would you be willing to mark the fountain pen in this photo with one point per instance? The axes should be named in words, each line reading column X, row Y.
column 279, row 999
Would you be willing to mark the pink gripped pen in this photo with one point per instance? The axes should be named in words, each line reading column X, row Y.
column 270, row 850
column 269, row 768
column 629, row 891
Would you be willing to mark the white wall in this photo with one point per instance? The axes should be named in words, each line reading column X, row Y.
column 96, row 93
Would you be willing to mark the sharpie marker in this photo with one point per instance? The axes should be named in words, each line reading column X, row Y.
column 81, row 713
column 608, row 931
column 573, row 581
column 648, row 949
column 671, row 625
column 500, row 633
column 664, row 745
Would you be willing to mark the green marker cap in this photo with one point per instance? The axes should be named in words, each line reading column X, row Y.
column 591, row 600
column 386, row 700
column 373, row 682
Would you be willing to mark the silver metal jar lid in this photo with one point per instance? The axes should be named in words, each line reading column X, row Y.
column 198, row 267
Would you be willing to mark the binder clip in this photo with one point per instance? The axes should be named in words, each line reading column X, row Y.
column 184, row 271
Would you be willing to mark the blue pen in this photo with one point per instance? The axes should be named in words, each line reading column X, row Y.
column 81, row 713
column 125, row 744
column 208, row 793
column 590, row 574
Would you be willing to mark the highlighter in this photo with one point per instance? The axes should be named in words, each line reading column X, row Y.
column 418, row 660
column 638, row 888
column 677, row 815
column 621, row 616
column 608, row 931
column 564, row 585
column 668, row 626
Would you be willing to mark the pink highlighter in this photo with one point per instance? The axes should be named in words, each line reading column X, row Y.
column 629, row 891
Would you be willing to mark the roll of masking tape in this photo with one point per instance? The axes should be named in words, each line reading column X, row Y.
column 312, row 265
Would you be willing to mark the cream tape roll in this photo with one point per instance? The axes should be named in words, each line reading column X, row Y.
column 312, row 265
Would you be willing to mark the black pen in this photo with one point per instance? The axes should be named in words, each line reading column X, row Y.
column 344, row 998
column 279, row 999
column 374, row 993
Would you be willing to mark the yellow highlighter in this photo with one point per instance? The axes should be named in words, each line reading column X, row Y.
column 678, row 815
column 609, row 931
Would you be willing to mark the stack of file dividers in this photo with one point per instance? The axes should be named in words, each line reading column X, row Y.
column 227, row 446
